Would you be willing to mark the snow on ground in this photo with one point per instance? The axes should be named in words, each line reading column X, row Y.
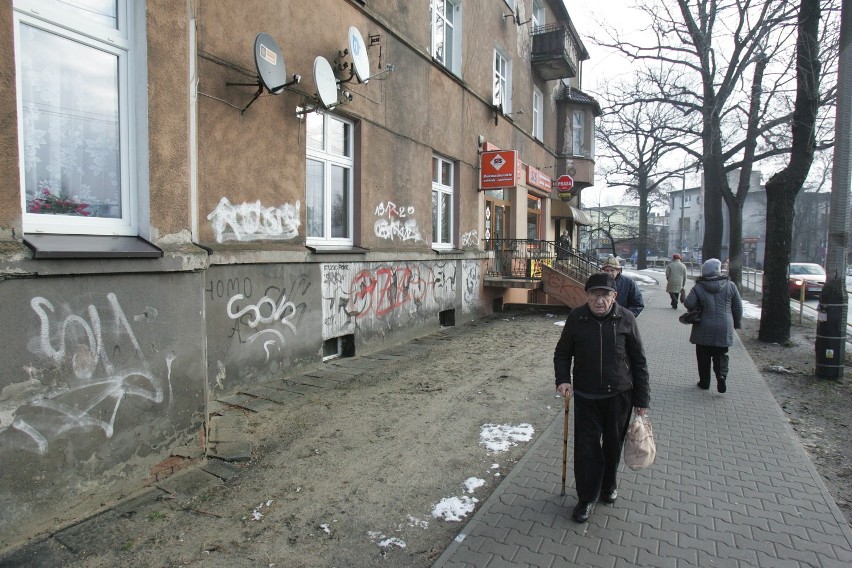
column 473, row 483
column 454, row 508
column 500, row 437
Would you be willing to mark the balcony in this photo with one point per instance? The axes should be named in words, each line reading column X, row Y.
column 554, row 51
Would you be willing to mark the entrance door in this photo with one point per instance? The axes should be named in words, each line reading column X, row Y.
column 496, row 232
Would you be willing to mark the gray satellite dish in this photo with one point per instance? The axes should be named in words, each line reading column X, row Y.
column 360, row 61
column 270, row 63
column 325, row 81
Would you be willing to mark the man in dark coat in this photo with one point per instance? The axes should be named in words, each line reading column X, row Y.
column 600, row 359
column 629, row 295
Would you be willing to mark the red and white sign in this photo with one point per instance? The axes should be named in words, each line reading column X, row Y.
column 565, row 185
column 539, row 179
column 498, row 169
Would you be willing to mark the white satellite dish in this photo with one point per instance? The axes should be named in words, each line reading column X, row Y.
column 325, row 81
column 360, row 60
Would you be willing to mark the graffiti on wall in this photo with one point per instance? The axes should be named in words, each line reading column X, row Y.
column 253, row 221
column 373, row 297
column 96, row 376
column 261, row 323
column 396, row 222
column 470, row 239
column 472, row 286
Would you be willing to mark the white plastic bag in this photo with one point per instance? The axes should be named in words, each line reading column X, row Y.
column 639, row 445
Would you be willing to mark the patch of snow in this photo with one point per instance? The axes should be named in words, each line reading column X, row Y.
column 454, row 508
column 325, row 528
column 559, row 323
column 500, row 437
column 471, row 484
column 412, row 522
column 392, row 541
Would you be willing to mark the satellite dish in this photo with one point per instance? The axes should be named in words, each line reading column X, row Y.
column 325, row 81
column 270, row 63
column 360, row 61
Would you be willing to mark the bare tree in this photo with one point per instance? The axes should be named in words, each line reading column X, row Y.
column 611, row 228
column 637, row 136
column 782, row 188
column 727, row 65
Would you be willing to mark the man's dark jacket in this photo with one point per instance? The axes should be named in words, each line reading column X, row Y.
column 629, row 294
column 606, row 352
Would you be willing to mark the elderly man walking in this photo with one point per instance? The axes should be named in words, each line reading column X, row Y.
column 599, row 360
column 675, row 278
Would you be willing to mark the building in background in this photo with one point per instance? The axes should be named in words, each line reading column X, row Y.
column 193, row 203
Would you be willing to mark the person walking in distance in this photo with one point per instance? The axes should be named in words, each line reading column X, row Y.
column 675, row 278
column 600, row 361
column 721, row 313
column 629, row 295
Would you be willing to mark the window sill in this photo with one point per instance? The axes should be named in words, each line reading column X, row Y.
column 336, row 249
column 90, row 246
column 447, row 250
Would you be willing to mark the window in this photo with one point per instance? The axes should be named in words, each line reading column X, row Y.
column 537, row 14
column 76, row 140
column 329, row 179
column 538, row 114
column 502, row 82
column 533, row 217
column 446, row 33
column 443, row 180
column 579, row 132
column 687, row 201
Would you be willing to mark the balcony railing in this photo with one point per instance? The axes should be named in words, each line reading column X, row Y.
column 554, row 53
column 522, row 258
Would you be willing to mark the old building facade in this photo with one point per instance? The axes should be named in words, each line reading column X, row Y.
column 199, row 196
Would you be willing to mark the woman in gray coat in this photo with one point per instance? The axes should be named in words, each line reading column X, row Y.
column 721, row 313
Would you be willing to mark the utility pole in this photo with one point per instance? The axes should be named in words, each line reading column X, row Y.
column 682, row 199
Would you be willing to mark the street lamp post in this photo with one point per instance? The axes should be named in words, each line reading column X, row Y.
column 682, row 199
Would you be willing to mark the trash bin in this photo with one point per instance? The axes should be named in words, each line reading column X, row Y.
column 830, row 341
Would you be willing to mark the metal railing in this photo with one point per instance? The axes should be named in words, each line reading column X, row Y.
column 523, row 258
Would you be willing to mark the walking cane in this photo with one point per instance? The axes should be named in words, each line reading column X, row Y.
column 565, row 442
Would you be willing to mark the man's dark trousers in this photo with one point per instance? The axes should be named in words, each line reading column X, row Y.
column 599, row 429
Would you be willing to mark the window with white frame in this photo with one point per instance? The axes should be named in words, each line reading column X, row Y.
column 687, row 201
column 538, row 114
column 443, row 180
column 446, row 33
column 502, row 82
column 74, row 78
column 329, row 179
column 579, row 133
column 537, row 13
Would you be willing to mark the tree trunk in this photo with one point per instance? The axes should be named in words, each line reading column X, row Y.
column 782, row 188
column 735, row 246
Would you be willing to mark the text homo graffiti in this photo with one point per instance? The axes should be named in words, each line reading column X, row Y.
column 471, row 289
column 399, row 224
column 253, row 221
column 93, row 397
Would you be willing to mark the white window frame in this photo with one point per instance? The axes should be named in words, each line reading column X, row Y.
column 538, row 14
column 65, row 22
column 502, row 81
column 578, row 133
column 538, row 114
column 328, row 160
column 449, row 191
column 442, row 26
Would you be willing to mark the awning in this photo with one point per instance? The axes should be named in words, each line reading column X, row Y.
column 580, row 217
column 561, row 209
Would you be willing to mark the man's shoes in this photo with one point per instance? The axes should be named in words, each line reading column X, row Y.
column 721, row 385
column 610, row 496
column 704, row 386
column 582, row 511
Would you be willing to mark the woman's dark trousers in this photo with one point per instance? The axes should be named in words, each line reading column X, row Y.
column 718, row 356
column 599, row 429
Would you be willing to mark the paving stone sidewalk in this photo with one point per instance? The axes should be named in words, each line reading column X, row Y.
column 731, row 486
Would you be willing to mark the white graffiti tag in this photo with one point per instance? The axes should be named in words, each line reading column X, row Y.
column 275, row 312
column 399, row 224
column 470, row 239
column 253, row 221
column 94, row 394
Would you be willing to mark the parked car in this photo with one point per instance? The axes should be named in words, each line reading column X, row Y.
column 809, row 275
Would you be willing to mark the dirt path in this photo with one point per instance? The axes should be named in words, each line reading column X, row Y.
column 352, row 476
